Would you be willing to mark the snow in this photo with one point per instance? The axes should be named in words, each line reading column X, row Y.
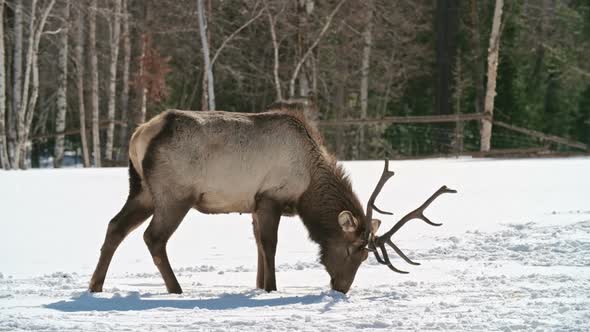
column 513, row 254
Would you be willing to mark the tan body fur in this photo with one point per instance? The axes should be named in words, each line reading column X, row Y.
column 222, row 160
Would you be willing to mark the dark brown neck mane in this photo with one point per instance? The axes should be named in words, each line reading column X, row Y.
column 328, row 194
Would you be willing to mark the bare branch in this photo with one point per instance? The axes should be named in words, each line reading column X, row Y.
column 312, row 47
column 275, row 46
column 233, row 34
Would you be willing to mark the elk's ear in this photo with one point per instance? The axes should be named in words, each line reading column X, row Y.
column 375, row 223
column 347, row 221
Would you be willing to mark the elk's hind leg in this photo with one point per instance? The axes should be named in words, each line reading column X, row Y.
column 135, row 211
column 166, row 219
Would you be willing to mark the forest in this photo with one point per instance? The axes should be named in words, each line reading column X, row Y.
column 76, row 77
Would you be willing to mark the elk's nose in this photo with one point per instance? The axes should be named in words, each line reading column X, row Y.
column 339, row 287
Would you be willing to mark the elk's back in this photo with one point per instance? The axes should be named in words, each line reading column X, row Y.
column 224, row 160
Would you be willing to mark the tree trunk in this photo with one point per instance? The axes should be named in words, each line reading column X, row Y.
column 275, row 46
column 17, row 83
column 305, row 10
column 60, row 121
column 206, row 55
column 80, row 79
column 145, row 43
column 478, row 72
column 25, row 115
column 493, row 55
column 143, row 91
column 123, row 139
column 446, row 46
column 4, row 162
column 94, row 85
column 115, row 35
column 365, row 65
column 459, row 125
column 21, row 112
column 339, row 110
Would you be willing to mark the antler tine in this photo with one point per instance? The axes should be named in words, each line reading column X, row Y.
column 385, row 260
column 417, row 213
column 400, row 252
column 386, row 175
column 381, row 211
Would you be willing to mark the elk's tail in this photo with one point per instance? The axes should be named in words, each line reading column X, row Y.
column 134, row 181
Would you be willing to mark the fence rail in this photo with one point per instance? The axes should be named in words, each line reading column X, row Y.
column 405, row 119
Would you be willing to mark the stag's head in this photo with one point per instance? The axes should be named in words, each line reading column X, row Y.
column 343, row 257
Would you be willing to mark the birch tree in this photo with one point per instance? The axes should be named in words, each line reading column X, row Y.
column 206, row 55
column 114, row 52
column 94, row 85
column 305, row 10
column 60, row 121
column 493, row 55
column 80, row 85
column 275, row 46
column 4, row 162
column 145, row 44
column 17, row 81
column 31, row 81
column 125, row 79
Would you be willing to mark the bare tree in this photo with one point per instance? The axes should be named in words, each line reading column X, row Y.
column 145, row 44
column 115, row 28
column 305, row 10
column 125, row 79
column 17, row 81
column 478, row 72
column 60, row 121
column 275, row 46
column 31, row 82
column 94, row 85
column 206, row 56
column 80, row 85
column 4, row 162
column 365, row 65
column 493, row 54
column 312, row 47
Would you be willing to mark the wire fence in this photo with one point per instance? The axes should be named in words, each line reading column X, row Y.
column 405, row 137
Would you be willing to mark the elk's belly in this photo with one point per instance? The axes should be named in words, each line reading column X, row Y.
column 227, row 192
column 212, row 202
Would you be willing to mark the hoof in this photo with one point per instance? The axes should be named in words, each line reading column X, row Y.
column 95, row 288
column 175, row 290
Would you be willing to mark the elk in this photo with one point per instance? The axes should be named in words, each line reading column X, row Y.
column 268, row 164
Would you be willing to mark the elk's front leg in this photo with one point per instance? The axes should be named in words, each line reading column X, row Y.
column 260, row 265
column 266, row 219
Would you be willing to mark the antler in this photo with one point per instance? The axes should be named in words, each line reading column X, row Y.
column 386, row 175
column 380, row 241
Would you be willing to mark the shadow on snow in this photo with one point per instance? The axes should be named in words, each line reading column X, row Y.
column 133, row 301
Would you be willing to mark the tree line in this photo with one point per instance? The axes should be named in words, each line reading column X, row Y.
column 76, row 77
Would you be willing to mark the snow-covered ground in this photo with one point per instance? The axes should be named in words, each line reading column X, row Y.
column 513, row 254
